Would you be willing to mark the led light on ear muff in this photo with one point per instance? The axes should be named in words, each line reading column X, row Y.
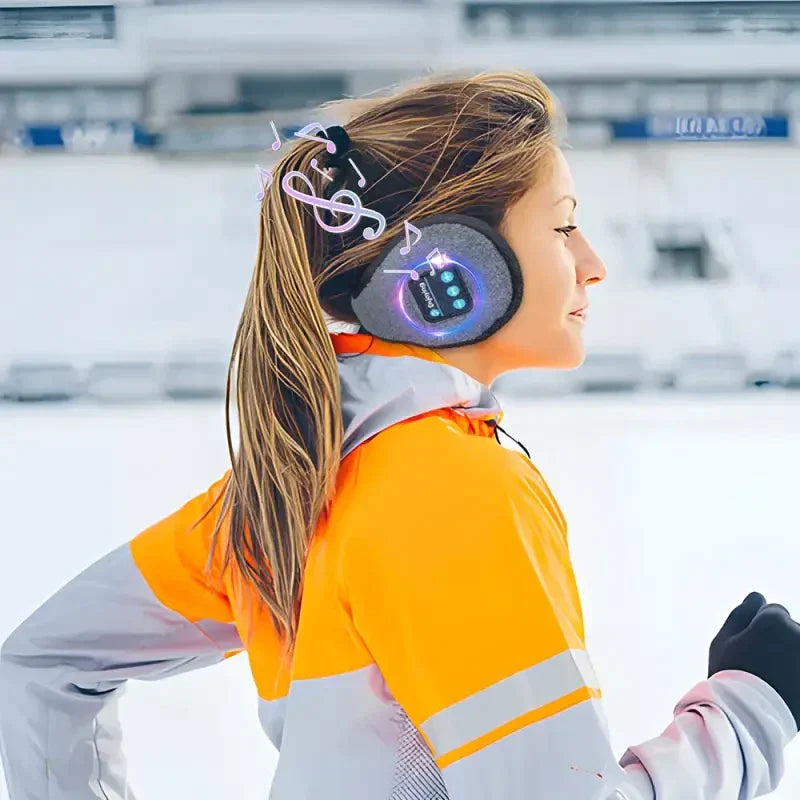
column 457, row 284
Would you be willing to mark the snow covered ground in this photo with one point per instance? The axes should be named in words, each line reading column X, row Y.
column 678, row 507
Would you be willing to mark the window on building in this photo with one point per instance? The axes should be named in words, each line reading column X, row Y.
column 42, row 105
column 57, row 22
column 669, row 96
column 681, row 262
column 613, row 18
column 289, row 92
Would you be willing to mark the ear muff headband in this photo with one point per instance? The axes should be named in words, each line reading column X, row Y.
column 467, row 290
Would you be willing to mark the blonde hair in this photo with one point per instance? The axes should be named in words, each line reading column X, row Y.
column 441, row 145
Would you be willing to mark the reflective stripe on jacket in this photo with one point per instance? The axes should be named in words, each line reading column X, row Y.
column 440, row 651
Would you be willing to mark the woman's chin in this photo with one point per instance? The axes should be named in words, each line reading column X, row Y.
column 574, row 361
column 570, row 356
column 566, row 360
column 565, row 351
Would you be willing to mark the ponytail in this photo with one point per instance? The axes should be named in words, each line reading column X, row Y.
column 289, row 409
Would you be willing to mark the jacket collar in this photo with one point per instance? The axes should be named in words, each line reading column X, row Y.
column 384, row 383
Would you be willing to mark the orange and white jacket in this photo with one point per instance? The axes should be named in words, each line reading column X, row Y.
column 441, row 647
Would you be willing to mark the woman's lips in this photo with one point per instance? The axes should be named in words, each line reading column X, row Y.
column 580, row 314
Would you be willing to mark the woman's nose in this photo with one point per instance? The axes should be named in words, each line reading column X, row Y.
column 589, row 267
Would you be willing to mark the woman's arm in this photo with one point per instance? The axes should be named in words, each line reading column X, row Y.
column 145, row 610
column 469, row 607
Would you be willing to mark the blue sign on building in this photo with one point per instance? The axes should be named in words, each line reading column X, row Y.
column 120, row 136
column 701, row 127
column 84, row 137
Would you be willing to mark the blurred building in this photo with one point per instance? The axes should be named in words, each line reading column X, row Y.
column 129, row 133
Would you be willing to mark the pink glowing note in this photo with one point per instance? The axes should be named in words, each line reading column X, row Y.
column 354, row 207
column 362, row 181
column 315, row 166
column 305, row 133
column 435, row 259
column 264, row 181
column 276, row 145
column 412, row 272
column 409, row 227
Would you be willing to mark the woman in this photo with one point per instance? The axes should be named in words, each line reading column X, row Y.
column 438, row 651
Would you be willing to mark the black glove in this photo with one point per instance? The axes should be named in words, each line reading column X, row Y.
column 762, row 639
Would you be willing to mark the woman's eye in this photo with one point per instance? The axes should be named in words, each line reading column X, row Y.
column 567, row 229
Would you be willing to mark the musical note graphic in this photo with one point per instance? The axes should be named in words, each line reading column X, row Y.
column 412, row 272
column 357, row 210
column 409, row 227
column 315, row 166
column 260, row 173
column 276, row 145
column 434, row 259
column 305, row 133
column 362, row 181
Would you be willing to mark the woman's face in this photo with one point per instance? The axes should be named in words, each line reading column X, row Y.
column 557, row 265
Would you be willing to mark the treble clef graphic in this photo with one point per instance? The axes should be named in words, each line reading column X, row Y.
column 357, row 210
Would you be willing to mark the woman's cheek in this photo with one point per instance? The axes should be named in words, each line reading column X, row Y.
column 569, row 275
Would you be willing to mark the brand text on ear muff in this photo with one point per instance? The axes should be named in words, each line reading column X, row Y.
column 426, row 294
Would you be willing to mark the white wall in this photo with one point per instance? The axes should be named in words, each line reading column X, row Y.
column 109, row 254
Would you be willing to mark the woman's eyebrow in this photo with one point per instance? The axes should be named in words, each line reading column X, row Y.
column 567, row 197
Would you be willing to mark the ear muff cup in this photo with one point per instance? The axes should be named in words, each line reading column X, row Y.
column 484, row 265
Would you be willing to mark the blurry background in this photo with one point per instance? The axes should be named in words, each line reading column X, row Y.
column 128, row 138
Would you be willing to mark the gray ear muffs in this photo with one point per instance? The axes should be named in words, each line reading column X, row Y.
column 468, row 284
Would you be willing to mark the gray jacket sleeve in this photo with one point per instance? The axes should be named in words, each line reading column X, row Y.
column 726, row 742
column 63, row 669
